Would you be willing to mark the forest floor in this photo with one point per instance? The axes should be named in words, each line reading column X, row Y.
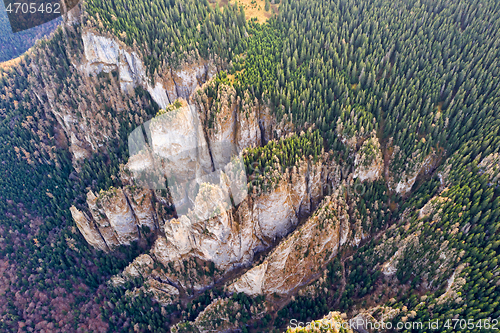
column 253, row 9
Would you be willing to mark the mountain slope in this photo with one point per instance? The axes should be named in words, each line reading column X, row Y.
column 368, row 137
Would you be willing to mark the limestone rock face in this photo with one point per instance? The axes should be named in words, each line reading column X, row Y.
column 183, row 81
column 178, row 140
column 294, row 262
column 163, row 293
column 317, row 177
column 141, row 267
column 240, row 122
column 88, row 229
column 276, row 211
column 189, row 76
column 296, row 195
column 250, row 237
column 369, row 162
column 102, row 222
column 140, row 200
column 88, row 126
column 215, row 231
column 228, row 120
column 164, row 251
column 101, row 53
column 208, row 232
column 139, row 162
column 117, row 214
column 248, row 132
column 108, row 54
column 159, row 94
column 223, row 126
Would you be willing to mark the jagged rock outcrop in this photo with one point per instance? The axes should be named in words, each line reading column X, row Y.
column 209, row 231
column 298, row 192
column 118, row 212
column 103, row 54
column 88, row 229
column 177, row 141
column 220, row 123
column 117, row 217
column 184, row 80
column 108, row 54
column 369, row 164
column 163, row 293
column 141, row 202
column 102, row 222
column 82, row 109
column 243, row 122
column 295, row 261
column 87, row 123
column 318, row 176
column 144, row 267
column 213, row 231
column 248, row 132
column 226, row 236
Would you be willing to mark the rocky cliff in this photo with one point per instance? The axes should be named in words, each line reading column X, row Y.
column 244, row 122
column 117, row 216
column 188, row 141
column 108, row 54
column 89, row 229
column 216, row 232
column 218, row 229
column 301, row 255
column 83, row 109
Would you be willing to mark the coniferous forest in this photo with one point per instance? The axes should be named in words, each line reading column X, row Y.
column 421, row 78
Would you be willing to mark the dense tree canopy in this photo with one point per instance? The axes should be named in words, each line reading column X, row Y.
column 422, row 76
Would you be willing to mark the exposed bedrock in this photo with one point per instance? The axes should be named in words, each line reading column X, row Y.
column 295, row 260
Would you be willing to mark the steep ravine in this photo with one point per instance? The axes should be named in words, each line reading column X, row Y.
column 118, row 216
column 212, row 241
